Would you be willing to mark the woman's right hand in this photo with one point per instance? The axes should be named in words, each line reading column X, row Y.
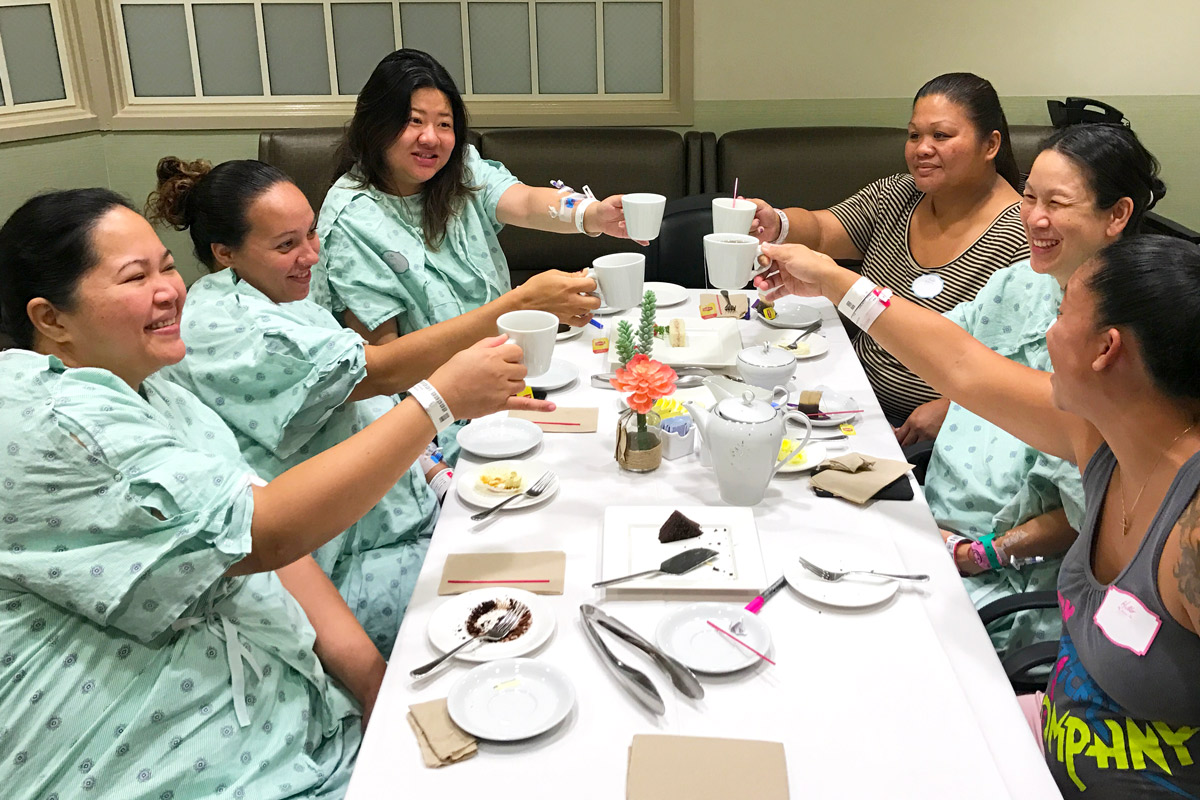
column 481, row 379
column 766, row 221
column 563, row 294
column 795, row 269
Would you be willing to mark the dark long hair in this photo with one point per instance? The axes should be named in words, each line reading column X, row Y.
column 46, row 248
column 1115, row 163
column 979, row 100
column 209, row 202
column 381, row 114
column 1135, row 280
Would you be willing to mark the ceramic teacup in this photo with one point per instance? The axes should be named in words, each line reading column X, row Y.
column 534, row 332
column 643, row 214
column 619, row 278
column 731, row 259
column 732, row 216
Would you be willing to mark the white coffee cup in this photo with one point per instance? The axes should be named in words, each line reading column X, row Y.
column 643, row 214
column 730, row 258
column 732, row 216
column 619, row 278
column 534, row 332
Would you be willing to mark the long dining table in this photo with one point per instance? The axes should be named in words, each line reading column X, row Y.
column 903, row 700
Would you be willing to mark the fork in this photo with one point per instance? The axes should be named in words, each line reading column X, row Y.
column 834, row 577
column 539, row 486
column 808, row 331
column 501, row 628
column 729, row 306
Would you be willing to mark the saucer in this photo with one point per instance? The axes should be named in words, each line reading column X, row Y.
column 791, row 315
column 812, row 454
column 569, row 333
column 686, row 635
column 561, row 373
column 472, row 492
column 666, row 294
column 509, row 700
column 499, row 437
column 448, row 624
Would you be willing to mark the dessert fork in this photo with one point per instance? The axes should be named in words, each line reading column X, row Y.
column 834, row 577
column 500, row 628
column 729, row 306
column 539, row 486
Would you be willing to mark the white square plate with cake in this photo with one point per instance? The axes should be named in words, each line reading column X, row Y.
column 707, row 343
column 630, row 544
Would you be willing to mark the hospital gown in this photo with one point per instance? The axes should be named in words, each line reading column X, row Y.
column 129, row 666
column 279, row 374
column 982, row 479
column 374, row 261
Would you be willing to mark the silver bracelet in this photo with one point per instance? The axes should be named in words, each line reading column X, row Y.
column 784, row 226
column 437, row 408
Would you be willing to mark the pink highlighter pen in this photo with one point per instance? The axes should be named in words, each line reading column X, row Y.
column 755, row 605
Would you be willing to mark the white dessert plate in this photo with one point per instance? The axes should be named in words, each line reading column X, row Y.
column 569, row 333
column 806, row 459
column 629, row 543
column 499, row 437
column 448, row 625
column 790, row 313
column 841, row 554
column 511, row 699
column 666, row 294
column 472, row 491
column 710, row 343
column 561, row 373
column 686, row 635
column 818, row 345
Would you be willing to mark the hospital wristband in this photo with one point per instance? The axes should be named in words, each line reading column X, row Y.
column 437, row 408
column 989, row 549
column 952, row 543
column 441, row 482
column 784, row 226
column 864, row 302
column 579, row 211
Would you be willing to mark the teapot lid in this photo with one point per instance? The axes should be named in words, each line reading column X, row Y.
column 745, row 409
column 766, row 356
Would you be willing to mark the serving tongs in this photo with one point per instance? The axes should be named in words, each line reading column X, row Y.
column 635, row 681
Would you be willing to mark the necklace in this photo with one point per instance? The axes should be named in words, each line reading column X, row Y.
column 1149, row 475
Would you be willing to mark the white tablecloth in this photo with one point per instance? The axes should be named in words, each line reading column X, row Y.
column 904, row 700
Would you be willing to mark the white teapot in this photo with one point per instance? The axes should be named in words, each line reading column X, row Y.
column 743, row 436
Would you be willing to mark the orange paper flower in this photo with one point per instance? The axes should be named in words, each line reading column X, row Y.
column 646, row 380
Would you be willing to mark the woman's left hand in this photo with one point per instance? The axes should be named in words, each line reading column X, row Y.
column 795, row 269
column 608, row 217
column 962, row 556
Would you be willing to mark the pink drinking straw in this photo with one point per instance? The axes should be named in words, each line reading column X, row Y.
column 735, row 181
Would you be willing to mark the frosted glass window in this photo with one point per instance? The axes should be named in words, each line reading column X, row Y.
column 227, row 44
column 566, row 44
column 362, row 36
column 499, row 48
column 158, row 50
column 633, row 48
column 436, row 28
column 34, row 73
column 297, row 58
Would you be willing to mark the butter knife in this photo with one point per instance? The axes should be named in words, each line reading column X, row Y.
column 683, row 678
column 634, row 681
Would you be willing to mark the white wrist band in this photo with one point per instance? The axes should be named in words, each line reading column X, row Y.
column 784, row 226
column 437, row 409
column 441, row 482
column 865, row 302
column 579, row 210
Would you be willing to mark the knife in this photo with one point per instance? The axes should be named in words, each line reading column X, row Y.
column 683, row 678
column 634, row 681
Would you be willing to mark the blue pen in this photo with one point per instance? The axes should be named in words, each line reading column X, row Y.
column 599, row 325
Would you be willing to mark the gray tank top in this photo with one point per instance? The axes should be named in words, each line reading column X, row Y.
column 1117, row 724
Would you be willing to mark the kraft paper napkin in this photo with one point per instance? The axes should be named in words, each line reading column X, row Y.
column 741, row 306
column 856, row 477
column 441, row 741
column 510, row 570
column 694, row 768
column 562, row 420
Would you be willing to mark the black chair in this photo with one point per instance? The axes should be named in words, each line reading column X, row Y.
column 1020, row 666
column 677, row 255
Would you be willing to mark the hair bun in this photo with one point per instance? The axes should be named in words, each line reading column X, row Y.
column 170, row 202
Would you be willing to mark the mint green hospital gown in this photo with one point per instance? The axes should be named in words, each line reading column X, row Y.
column 982, row 479
column 374, row 261
column 129, row 666
column 279, row 375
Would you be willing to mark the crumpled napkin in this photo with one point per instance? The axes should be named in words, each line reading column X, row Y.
column 441, row 741
column 856, row 477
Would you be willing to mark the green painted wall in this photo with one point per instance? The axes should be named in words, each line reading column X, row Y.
column 125, row 161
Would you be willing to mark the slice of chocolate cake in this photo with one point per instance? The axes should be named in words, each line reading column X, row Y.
column 678, row 527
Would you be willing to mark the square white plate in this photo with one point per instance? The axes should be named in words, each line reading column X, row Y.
column 630, row 544
column 710, row 343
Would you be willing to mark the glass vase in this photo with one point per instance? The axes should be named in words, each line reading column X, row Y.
column 639, row 441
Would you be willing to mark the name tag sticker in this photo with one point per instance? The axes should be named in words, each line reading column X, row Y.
column 1126, row 622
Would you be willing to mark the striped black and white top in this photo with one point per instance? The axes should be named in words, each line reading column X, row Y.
column 877, row 219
